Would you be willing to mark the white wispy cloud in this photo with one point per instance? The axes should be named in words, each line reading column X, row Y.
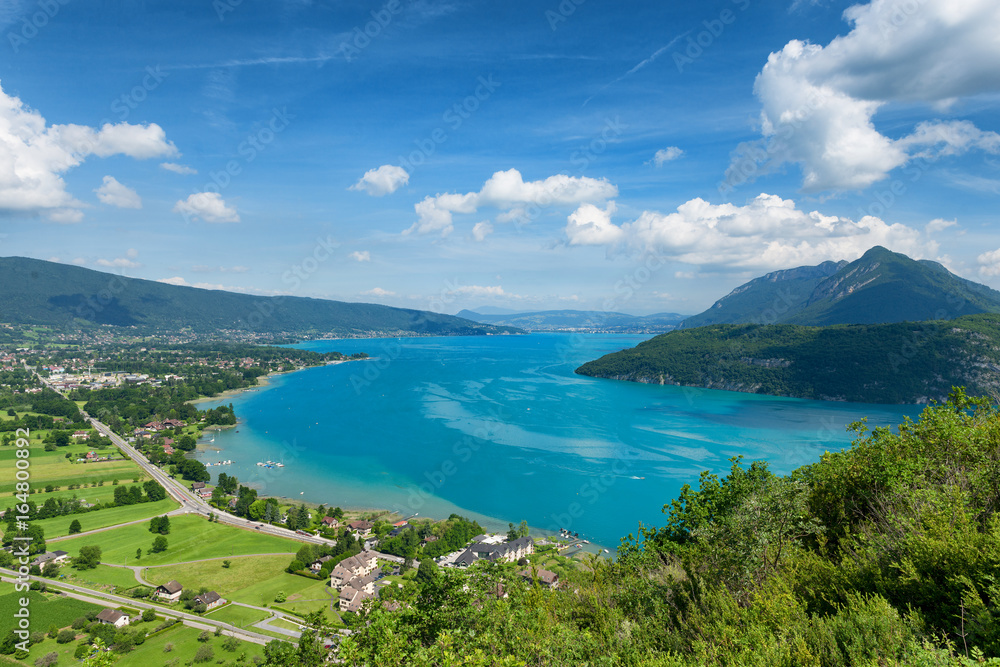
column 509, row 192
column 178, row 168
column 667, row 154
column 208, row 206
column 382, row 181
column 361, row 256
column 114, row 193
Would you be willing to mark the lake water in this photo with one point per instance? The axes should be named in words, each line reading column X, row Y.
column 500, row 429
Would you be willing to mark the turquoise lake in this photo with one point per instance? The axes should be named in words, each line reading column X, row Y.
column 500, row 429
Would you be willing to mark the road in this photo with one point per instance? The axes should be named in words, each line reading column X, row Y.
column 99, row 598
column 191, row 504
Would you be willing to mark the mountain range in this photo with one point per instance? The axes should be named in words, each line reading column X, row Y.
column 882, row 286
column 579, row 320
column 882, row 329
column 37, row 292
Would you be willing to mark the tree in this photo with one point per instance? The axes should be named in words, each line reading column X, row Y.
column 160, row 524
column 51, row 570
column 148, row 615
column 89, row 557
column 75, row 527
column 205, row 653
column 65, row 636
column 257, row 509
column 427, row 572
column 159, row 544
column 154, row 491
column 138, row 553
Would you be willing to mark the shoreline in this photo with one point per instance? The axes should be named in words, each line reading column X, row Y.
column 263, row 382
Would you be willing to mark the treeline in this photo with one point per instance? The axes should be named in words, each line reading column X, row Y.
column 906, row 362
column 884, row 554
column 448, row 536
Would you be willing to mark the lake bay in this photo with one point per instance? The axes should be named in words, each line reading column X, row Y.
column 499, row 428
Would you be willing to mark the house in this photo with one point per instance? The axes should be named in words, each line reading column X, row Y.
column 154, row 426
column 170, row 591
column 348, row 569
column 167, row 449
column 351, row 599
column 211, row 600
column 197, row 486
column 361, row 529
column 112, row 617
column 398, row 529
column 505, row 551
column 81, row 435
column 330, row 522
column 91, row 456
column 173, row 423
column 544, row 577
column 142, row 433
column 429, row 539
column 58, row 557
column 317, row 564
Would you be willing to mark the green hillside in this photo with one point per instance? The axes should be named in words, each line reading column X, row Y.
column 905, row 362
column 880, row 287
column 46, row 293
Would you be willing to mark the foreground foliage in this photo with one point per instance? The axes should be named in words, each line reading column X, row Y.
column 885, row 554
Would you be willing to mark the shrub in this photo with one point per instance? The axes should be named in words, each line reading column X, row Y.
column 204, row 653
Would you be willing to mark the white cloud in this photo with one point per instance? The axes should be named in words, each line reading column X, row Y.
column 382, row 181
column 767, row 233
column 590, row 225
column 667, row 154
column 379, row 292
column 65, row 215
column 989, row 263
column 202, row 268
column 209, row 206
column 818, row 102
column 361, row 256
column 939, row 224
column 180, row 282
column 507, row 190
column 482, row 230
column 115, row 194
column 118, row 263
column 79, row 261
column 34, row 155
column 178, row 168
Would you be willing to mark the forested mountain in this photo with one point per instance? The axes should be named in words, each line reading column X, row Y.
column 902, row 362
column 882, row 286
column 47, row 293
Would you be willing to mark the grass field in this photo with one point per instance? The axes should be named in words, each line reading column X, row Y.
column 253, row 581
column 103, row 577
column 241, row 617
column 46, row 609
column 111, row 516
column 183, row 642
column 191, row 538
column 225, row 581
column 54, row 468
column 90, row 494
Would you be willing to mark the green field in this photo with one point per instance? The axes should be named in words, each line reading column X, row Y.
column 253, row 581
column 90, row 494
column 54, row 468
column 46, row 609
column 111, row 516
column 191, row 538
column 241, row 617
column 103, row 577
column 184, row 643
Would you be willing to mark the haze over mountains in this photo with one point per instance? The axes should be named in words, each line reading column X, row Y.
column 578, row 320
column 882, row 286
column 37, row 292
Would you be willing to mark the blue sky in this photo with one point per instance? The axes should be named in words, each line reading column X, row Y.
column 639, row 156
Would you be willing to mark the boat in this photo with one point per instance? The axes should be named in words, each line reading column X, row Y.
column 279, row 465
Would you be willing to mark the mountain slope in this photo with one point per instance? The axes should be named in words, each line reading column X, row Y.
column 881, row 286
column 575, row 320
column 902, row 362
column 37, row 292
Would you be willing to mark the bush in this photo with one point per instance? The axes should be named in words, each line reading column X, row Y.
column 230, row 644
column 204, row 636
column 280, row 597
column 47, row 660
column 148, row 615
column 204, row 653
column 82, row 651
column 80, row 623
